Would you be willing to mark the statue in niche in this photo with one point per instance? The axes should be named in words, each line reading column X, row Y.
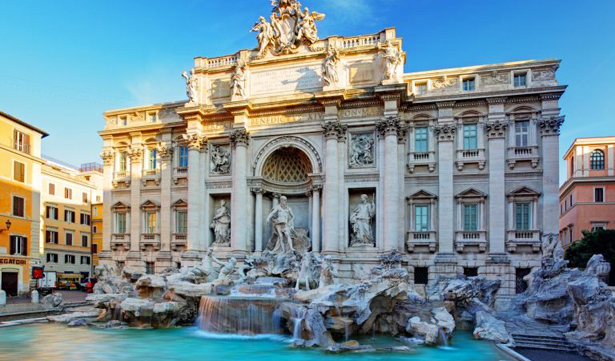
column 393, row 58
column 238, row 80
column 221, row 225
column 362, row 151
column 328, row 273
column 329, row 67
column 220, row 160
column 192, row 86
column 361, row 221
column 285, row 237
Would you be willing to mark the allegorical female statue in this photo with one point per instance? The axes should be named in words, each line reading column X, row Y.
column 361, row 221
column 221, row 225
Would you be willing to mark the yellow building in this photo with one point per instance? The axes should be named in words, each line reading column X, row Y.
column 20, row 187
column 97, row 227
column 67, row 197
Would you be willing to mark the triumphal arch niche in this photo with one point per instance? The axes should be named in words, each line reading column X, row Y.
column 319, row 144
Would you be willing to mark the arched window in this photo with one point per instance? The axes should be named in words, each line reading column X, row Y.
column 596, row 160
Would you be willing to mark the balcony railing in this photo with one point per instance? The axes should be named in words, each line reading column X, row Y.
column 471, row 156
column 421, row 239
column 474, row 239
column 150, row 240
column 518, row 154
column 121, row 175
column 150, row 172
column 422, row 159
column 120, row 240
column 523, row 238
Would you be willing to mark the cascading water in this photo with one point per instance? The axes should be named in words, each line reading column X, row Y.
column 443, row 339
column 297, row 317
column 239, row 315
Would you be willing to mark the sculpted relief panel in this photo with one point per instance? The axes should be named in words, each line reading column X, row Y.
column 220, row 160
column 361, row 154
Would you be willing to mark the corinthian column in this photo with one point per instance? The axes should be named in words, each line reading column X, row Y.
column 496, row 133
column 316, row 218
column 133, row 260
column 446, row 139
column 108, row 161
column 165, row 152
column 332, row 131
column 196, row 144
column 258, row 220
column 389, row 128
column 239, row 199
column 549, row 131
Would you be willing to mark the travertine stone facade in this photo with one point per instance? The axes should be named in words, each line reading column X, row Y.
column 461, row 164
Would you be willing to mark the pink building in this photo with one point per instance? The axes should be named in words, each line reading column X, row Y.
column 587, row 198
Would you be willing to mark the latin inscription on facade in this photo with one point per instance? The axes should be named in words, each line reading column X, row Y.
column 287, row 80
column 360, row 112
column 281, row 119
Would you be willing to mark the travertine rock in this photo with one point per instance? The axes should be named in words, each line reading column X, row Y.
column 490, row 328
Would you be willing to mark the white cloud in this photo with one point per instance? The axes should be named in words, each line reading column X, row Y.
column 349, row 10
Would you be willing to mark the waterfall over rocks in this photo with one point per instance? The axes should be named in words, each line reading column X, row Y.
column 239, row 315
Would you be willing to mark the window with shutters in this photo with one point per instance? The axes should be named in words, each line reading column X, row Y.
column 85, row 260
column 52, row 258
column 470, row 136
column 120, row 223
column 69, row 216
column 421, row 142
column 470, row 217
column 523, row 216
column 84, row 240
column 85, row 219
column 19, row 246
column 84, row 197
column 52, row 189
column 21, row 141
column 69, row 239
column 68, row 193
column 69, row 259
column 51, row 236
column 19, row 172
column 19, row 207
column 421, row 218
column 182, row 222
column 94, row 248
column 52, row 212
column 522, row 133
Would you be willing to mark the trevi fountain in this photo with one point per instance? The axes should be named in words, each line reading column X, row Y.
column 280, row 289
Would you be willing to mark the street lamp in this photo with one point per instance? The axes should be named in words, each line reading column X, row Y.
column 8, row 225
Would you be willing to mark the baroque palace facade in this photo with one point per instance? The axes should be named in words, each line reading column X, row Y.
column 328, row 143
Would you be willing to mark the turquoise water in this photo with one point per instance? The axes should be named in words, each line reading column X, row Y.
column 57, row 342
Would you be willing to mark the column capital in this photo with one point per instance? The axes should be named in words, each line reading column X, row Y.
column 240, row 137
column 196, row 141
column 316, row 187
column 258, row 190
column 107, row 157
column 335, row 130
column 496, row 129
column 276, row 195
column 550, row 126
column 165, row 151
column 445, row 132
column 391, row 125
column 135, row 153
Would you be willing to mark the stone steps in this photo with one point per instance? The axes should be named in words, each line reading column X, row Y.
column 543, row 342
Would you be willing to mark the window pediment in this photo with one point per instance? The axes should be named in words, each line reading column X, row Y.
column 471, row 194
column 180, row 204
column 422, row 196
column 523, row 192
column 120, row 206
column 150, row 205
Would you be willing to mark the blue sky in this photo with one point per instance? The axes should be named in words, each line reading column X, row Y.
column 64, row 62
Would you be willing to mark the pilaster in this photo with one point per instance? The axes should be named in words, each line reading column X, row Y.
column 333, row 130
column 197, row 144
column 240, row 139
column 108, row 161
column 133, row 259
column 165, row 152
column 550, row 130
column 445, row 131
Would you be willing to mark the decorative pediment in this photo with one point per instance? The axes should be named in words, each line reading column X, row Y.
column 150, row 205
column 180, row 204
column 120, row 206
column 471, row 194
column 523, row 192
column 422, row 195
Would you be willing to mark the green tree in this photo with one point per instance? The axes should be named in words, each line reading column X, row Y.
column 597, row 242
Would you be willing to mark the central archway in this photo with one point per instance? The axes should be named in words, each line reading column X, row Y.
column 287, row 166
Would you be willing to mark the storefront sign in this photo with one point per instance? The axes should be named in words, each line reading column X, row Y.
column 12, row 261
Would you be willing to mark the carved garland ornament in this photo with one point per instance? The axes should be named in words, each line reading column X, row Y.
column 496, row 129
column 287, row 140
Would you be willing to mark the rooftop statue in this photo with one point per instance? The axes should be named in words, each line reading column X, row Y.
column 289, row 27
column 192, row 86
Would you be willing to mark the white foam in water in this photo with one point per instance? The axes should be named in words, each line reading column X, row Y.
column 229, row 336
